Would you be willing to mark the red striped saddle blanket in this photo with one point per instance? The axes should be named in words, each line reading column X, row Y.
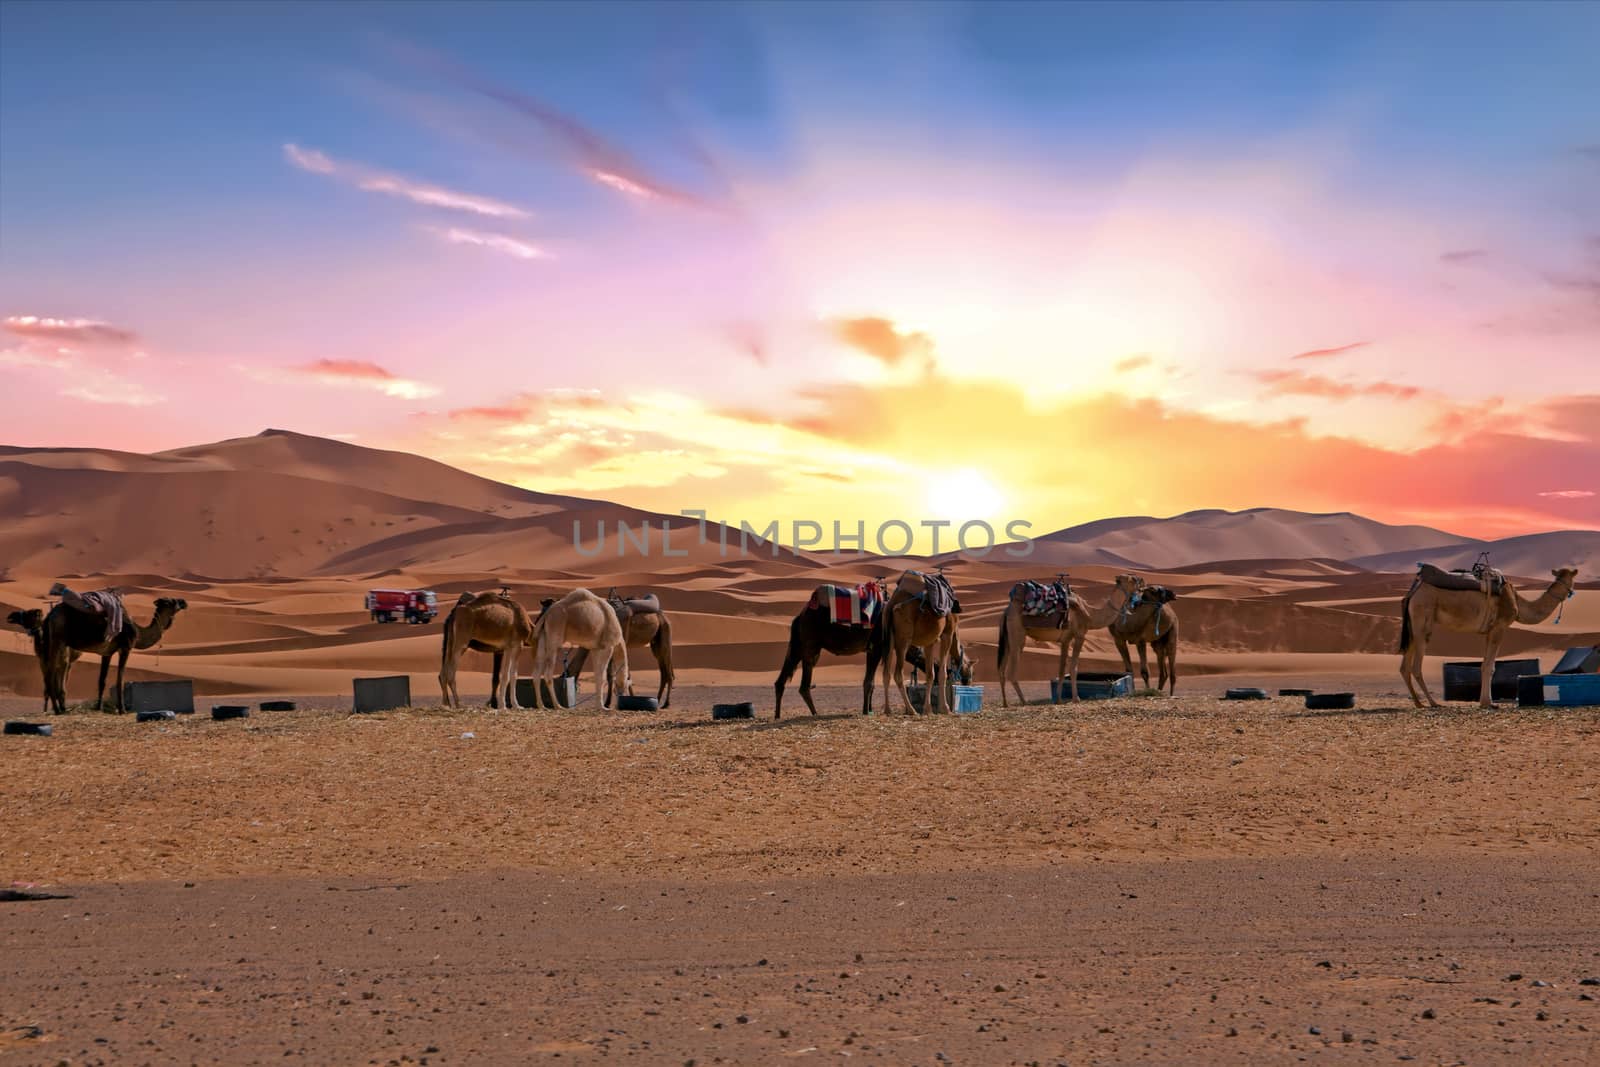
column 848, row 605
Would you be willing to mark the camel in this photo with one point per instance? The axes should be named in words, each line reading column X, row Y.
column 644, row 624
column 31, row 622
column 70, row 632
column 912, row 620
column 485, row 622
column 1469, row 611
column 1150, row 621
column 811, row 634
column 586, row 621
column 1016, row 628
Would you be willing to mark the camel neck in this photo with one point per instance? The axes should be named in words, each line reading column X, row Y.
column 1536, row 611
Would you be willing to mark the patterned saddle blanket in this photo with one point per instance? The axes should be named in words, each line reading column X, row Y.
column 1040, row 600
column 848, row 605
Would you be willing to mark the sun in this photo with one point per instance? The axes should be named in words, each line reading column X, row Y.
column 965, row 493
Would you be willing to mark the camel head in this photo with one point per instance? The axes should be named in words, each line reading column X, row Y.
column 1567, row 575
column 167, row 607
column 29, row 620
column 1129, row 583
column 961, row 664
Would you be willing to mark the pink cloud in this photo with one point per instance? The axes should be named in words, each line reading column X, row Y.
column 69, row 331
column 1298, row 383
column 376, row 181
column 345, row 374
column 1328, row 353
column 1570, row 494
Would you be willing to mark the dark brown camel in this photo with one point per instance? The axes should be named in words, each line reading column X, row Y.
column 70, row 632
column 644, row 624
column 811, row 634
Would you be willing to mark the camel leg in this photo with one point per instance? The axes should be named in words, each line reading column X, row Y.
column 446, row 679
column 1077, row 650
column 1122, row 650
column 506, row 685
column 661, row 647
column 791, row 660
column 1172, row 663
column 875, row 655
column 1491, row 650
column 602, row 661
column 930, row 701
column 1405, row 675
column 1011, row 662
column 1419, row 651
column 100, row 687
column 900, row 677
column 122, row 662
column 1144, row 666
column 806, row 666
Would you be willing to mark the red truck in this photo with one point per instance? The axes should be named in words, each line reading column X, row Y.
column 412, row 605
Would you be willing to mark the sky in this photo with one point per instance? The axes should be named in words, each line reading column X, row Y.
column 1035, row 262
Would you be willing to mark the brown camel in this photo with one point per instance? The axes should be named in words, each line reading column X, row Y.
column 485, row 622
column 31, row 622
column 587, row 622
column 1068, row 633
column 1469, row 611
column 70, row 632
column 1148, row 619
column 812, row 633
column 916, row 617
column 644, row 624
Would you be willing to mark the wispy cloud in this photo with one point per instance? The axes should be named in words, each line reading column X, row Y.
column 1464, row 255
column 112, row 391
column 1299, row 383
column 69, row 331
column 1132, row 363
column 344, row 374
column 377, row 181
column 498, row 242
column 584, row 149
column 1570, row 494
column 1329, row 353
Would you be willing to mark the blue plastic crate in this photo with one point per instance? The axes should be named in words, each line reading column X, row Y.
column 1092, row 685
column 1571, row 690
column 963, row 699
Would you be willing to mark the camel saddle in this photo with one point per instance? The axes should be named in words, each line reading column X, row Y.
column 937, row 596
column 1046, row 604
column 627, row 607
column 1486, row 580
column 848, row 605
column 108, row 603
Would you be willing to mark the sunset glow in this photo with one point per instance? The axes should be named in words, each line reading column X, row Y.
column 852, row 262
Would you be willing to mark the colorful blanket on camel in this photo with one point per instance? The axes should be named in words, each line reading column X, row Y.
column 848, row 605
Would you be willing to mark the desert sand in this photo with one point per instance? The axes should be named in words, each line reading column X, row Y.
column 1164, row 880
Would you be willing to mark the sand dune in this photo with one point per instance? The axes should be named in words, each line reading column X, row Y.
column 275, row 539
